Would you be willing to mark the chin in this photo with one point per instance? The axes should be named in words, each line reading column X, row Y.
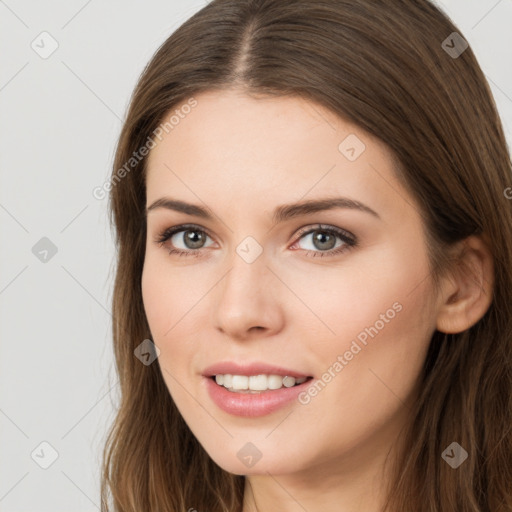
column 241, row 463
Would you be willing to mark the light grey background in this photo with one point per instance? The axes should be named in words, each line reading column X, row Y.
column 60, row 118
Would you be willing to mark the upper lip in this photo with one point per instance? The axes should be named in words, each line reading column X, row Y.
column 227, row 367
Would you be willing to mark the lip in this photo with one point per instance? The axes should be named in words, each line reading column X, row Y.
column 256, row 368
column 252, row 405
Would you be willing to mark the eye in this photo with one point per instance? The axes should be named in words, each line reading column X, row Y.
column 186, row 240
column 189, row 239
column 323, row 240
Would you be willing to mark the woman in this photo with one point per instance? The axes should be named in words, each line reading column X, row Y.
column 314, row 276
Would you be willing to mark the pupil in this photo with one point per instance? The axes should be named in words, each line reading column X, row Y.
column 319, row 240
column 193, row 239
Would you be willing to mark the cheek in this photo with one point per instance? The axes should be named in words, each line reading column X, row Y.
column 173, row 298
column 376, row 324
column 366, row 373
column 156, row 301
column 339, row 301
column 169, row 294
column 165, row 303
column 371, row 366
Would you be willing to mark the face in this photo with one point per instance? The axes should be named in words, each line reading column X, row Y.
column 239, row 284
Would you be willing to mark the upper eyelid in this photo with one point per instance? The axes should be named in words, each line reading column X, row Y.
column 325, row 227
column 185, row 227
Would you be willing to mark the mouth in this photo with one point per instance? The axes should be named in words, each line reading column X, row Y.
column 253, row 389
column 257, row 394
column 256, row 384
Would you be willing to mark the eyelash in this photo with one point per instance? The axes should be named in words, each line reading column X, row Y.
column 347, row 238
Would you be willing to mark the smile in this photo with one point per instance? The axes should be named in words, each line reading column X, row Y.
column 250, row 402
column 256, row 383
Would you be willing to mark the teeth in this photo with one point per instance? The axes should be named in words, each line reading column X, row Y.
column 227, row 380
column 256, row 383
column 274, row 382
column 288, row 382
column 240, row 382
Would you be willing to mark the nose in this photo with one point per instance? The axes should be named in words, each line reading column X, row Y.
column 247, row 300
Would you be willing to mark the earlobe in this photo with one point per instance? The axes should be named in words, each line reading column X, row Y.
column 467, row 292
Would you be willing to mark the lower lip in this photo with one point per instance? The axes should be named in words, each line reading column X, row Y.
column 252, row 404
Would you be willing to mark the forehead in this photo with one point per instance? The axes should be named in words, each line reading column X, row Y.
column 258, row 150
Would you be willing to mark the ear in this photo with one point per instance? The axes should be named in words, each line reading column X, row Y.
column 468, row 289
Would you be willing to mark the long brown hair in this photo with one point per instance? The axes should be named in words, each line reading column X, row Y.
column 390, row 68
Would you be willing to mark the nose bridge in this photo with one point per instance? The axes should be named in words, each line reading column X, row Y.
column 247, row 298
column 247, row 264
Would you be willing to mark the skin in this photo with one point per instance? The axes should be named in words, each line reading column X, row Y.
column 241, row 157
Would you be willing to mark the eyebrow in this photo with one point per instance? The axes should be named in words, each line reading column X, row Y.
column 281, row 213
